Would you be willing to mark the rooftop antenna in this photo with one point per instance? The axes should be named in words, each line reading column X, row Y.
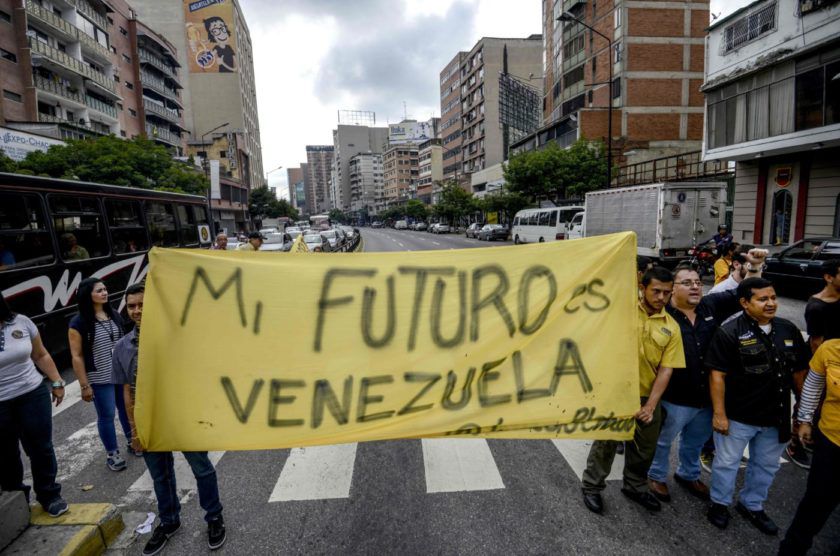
column 405, row 111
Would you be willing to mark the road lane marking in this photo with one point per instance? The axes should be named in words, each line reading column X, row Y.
column 316, row 473
column 184, row 478
column 436, row 243
column 72, row 395
column 400, row 244
column 455, row 465
column 575, row 453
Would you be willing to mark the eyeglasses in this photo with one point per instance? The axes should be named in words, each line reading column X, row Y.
column 689, row 283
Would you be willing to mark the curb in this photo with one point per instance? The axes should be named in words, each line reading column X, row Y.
column 86, row 529
column 14, row 516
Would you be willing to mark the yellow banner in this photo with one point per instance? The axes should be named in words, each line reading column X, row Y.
column 243, row 351
column 210, row 36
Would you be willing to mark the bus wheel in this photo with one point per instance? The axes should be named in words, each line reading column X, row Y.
column 516, row 239
column 542, row 240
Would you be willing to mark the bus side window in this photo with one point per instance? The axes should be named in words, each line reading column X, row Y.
column 79, row 226
column 160, row 218
column 187, row 231
column 544, row 218
column 553, row 221
column 516, row 221
column 127, row 231
column 24, row 238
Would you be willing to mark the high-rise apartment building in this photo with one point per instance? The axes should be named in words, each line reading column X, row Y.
column 366, row 182
column 430, row 171
column 72, row 70
column 450, row 117
column 401, row 169
column 319, row 160
column 657, row 57
column 348, row 141
column 215, row 53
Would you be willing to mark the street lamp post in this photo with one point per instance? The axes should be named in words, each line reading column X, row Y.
column 207, row 173
column 565, row 17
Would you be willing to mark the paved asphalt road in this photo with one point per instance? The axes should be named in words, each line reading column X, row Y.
column 417, row 497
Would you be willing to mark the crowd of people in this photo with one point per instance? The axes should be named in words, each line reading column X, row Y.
column 716, row 372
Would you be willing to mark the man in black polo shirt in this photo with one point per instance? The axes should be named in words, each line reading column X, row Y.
column 754, row 360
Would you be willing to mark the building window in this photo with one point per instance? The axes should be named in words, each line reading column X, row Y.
column 8, row 56
column 126, row 59
column 129, row 86
column 12, row 96
column 133, row 112
column 616, row 87
column 573, row 76
column 617, row 52
column 122, row 133
column 809, row 99
column 123, row 32
column 749, row 28
column 617, row 18
column 5, row 17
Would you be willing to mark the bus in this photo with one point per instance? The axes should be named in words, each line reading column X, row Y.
column 54, row 233
column 542, row 224
column 320, row 222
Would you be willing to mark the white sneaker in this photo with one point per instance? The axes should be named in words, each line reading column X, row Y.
column 115, row 461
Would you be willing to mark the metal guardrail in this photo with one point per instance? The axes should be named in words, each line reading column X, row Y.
column 161, row 111
column 162, row 134
column 97, row 104
column 68, row 29
column 49, row 86
column 145, row 56
column 157, row 84
column 89, row 12
column 72, row 64
column 682, row 167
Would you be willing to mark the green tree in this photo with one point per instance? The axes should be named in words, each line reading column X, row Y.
column 6, row 163
column 455, row 203
column 259, row 202
column 336, row 215
column 556, row 173
column 278, row 208
column 136, row 162
column 506, row 202
column 416, row 209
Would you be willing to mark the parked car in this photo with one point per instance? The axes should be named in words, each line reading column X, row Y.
column 400, row 225
column 350, row 231
column 472, row 230
column 277, row 242
column 441, row 228
column 269, row 230
column 376, row 224
column 335, row 238
column 420, row 226
column 317, row 243
column 797, row 270
column 491, row 232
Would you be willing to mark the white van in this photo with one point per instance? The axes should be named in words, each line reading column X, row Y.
column 400, row 225
column 576, row 229
column 542, row 224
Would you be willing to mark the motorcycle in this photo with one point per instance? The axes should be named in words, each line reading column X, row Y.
column 703, row 257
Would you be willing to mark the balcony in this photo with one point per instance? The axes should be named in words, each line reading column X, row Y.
column 146, row 57
column 158, row 110
column 90, row 45
column 100, row 106
column 69, row 63
column 56, row 23
column 49, row 118
column 157, row 133
column 49, row 86
column 569, row 4
column 85, row 8
column 158, row 85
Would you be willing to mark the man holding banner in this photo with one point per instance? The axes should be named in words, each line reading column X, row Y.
column 660, row 350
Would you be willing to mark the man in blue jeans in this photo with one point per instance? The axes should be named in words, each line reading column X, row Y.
column 161, row 464
column 687, row 405
column 754, row 360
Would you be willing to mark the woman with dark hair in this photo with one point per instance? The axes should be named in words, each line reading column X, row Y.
column 25, row 414
column 92, row 335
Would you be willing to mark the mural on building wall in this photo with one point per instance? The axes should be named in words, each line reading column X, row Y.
column 210, row 36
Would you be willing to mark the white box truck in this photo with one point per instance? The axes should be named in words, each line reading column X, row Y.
column 668, row 218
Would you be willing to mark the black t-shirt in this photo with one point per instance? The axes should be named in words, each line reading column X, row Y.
column 226, row 55
column 823, row 318
column 759, row 370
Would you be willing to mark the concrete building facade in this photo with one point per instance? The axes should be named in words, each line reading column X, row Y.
column 401, row 169
column 217, row 95
column 450, row 117
column 348, row 141
column 772, row 92
column 366, row 182
column 657, row 58
column 319, row 161
column 430, row 171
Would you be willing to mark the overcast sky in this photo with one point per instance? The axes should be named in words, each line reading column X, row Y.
column 315, row 57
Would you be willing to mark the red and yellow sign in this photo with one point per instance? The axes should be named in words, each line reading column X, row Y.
column 784, row 175
column 210, row 36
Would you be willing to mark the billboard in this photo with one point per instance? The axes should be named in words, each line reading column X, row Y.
column 17, row 144
column 409, row 131
column 210, row 36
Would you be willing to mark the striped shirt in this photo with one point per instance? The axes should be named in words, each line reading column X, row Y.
column 106, row 335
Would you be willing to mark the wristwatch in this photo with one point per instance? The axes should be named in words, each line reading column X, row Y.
column 58, row 384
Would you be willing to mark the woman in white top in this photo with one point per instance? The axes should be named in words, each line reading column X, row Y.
column 25, row 412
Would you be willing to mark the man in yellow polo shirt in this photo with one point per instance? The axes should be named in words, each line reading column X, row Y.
column 822, row 494
column 660, row 351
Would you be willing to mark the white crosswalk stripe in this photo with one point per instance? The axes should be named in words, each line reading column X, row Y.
column 72, row 396
column 316, row 473
column 456, row 465
column 575, row 453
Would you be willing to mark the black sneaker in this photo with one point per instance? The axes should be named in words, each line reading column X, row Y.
column 159, row 538
column 57, row 507
column 759, row 519
column 798, row 455
column 216, row 533
column 719, row 515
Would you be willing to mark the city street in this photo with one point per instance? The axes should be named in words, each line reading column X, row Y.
column 465, row 496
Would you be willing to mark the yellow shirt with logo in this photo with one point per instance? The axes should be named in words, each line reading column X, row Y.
column 660, row 345
column 826, row 362
column 721, row 270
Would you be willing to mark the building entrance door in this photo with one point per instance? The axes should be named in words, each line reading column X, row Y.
column 780, row 204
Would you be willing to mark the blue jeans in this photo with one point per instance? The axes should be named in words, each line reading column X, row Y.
column 27, row 419
column 765, row 451
column 694, row 425
column 105, row 398
column 162, row 469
